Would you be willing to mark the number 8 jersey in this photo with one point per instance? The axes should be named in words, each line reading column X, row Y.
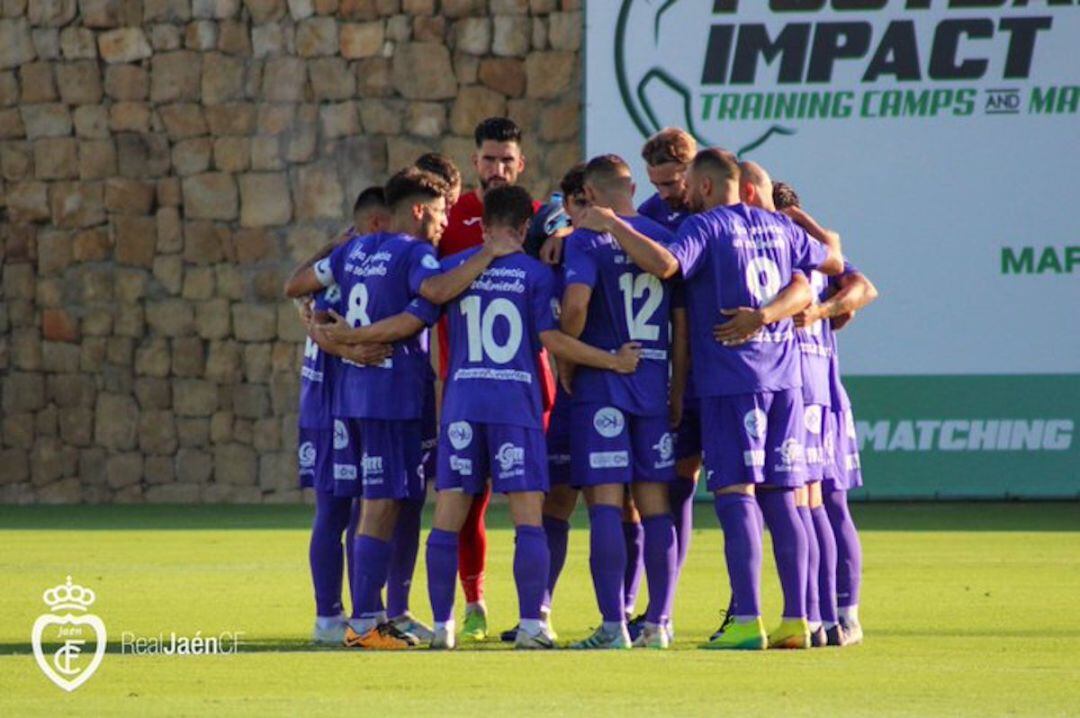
column 495, row 328
column 627, row 304
column 741, row 256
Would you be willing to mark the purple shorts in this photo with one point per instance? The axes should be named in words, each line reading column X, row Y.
column 514, row 456
column 842, row 466
column 754, row 439
column 688, row 435
column 379, row 458
column 314, row 459
column 814, row 419
column 610, row 446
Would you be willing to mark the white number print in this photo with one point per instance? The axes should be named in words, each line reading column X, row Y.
column 311, row 349
column 763, row 279
column 480, row 325
column 817, row 286
column 635, row 288
column 357, row 315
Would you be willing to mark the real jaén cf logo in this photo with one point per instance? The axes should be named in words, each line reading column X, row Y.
column 79, row 639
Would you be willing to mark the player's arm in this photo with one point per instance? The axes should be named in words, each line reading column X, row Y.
column 680, row 364
column 567, row 348
column 304, row 279
column 385, row 331
column 646, row 253
column 358, row 353
column 745, row 322
column 575, row 308
column 442, row 288
column 855, row 292
column 834, row 262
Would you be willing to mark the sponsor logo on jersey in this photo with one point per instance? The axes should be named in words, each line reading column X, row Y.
column 460, row 434
column 429, row 262
column 609, row 422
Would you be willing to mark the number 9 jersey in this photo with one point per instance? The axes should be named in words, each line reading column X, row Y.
column 494, row 329
column 627, row 304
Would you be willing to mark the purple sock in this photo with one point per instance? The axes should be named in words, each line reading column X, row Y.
column 607, row 559
column 406, row 544
column 372, row 559
column 557, row 532
column 848, row 549
column 661, row 566
column 634, row 535
column 813, row 563
column 325, row 551
column 442, row 557
column 681, row 495
column 532, row 564
column 759, row 529
column 789, row 547
column 350, row 542
column 742, row 549
column 827, row 570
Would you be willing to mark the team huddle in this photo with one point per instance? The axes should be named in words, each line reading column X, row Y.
column 591, row 347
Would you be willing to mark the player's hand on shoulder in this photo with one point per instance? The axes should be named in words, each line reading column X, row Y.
column 598, row 219
column 745, row 322
column 551, row 250
column 627, row 358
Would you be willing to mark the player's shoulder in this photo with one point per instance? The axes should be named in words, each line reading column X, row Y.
column 652, row 228
column 581, row 238
column 458, row 258
column 651, row 206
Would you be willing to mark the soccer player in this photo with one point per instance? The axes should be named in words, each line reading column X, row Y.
column 389, row 282
column 492, row 415
column 333, row 514
column 619, row 424
column 749, row 265
column 444, row 167
column 668, row 155
column 846, row 293
column 498, row 161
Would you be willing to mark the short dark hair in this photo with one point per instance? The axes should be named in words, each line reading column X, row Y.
column 604, row 169
column 497, row 129
column 441, row 165
column 411, row 183
column 573, row 182
column 720, row 161
column 374, row 197
column 507, row 206
column 669, row 145
column 784, row 196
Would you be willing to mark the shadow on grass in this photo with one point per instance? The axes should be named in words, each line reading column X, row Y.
column 260, row 645
column 877, row 516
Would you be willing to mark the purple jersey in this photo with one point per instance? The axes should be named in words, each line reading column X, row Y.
column 816, row 348
column 660, row 212
column 317, row 385
column 494, row 329
column 741, row 256
column 380, row 276
column 627, row 304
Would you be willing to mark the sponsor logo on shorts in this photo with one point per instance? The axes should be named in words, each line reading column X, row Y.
column 829, row 446
column 609, row 459
column 792, row 456
column 460, row 466
column 345, row 472
column 510, row 457
column 755, row 421
column 609, row 422
column 666, row 449
column 306, row 455
column 373, row 466
column 559, row 459
column 754, row 457
column 812, row 419
column 341, row 435
column 460, row 434
column 815, row 455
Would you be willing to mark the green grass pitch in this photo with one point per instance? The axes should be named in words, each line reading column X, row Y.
column 969, row 609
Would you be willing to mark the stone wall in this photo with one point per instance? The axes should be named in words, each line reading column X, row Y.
column 162, row 165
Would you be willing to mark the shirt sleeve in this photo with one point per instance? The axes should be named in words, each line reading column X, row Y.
column 807, row 254
column 423, row 310
column 544, row 303
column 579, row 266
column 690, row 246
column 329, row 298
column 422, row 264
column 328, row 270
